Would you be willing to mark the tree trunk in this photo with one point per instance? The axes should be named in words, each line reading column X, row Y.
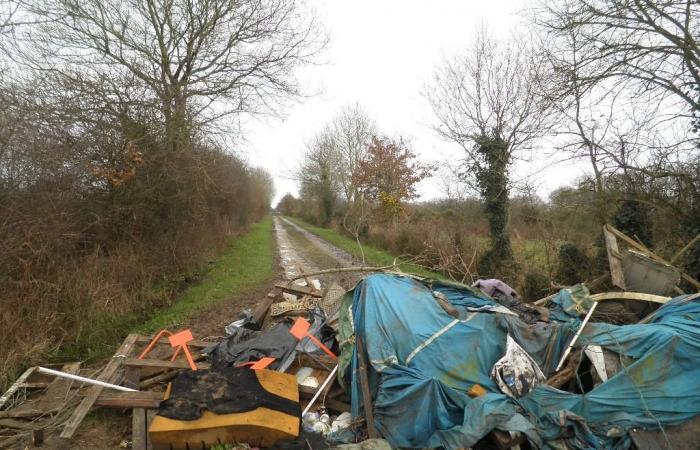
column 177, row 130
column 492, row 176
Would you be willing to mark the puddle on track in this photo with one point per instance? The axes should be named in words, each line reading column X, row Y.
column 294, row 259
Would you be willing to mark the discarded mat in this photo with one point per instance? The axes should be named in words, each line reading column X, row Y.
column 285, row 307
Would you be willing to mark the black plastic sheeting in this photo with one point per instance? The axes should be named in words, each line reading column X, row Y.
column 244, row 345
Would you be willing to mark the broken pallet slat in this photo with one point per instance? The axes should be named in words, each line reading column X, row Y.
column 27, row 413
column 364, row 385
column 132, row 377
column 159, row 364
column 58, row 389
column 299, row 290
column 263, row 308
column 107, row 376
column 150, row 415
column 160, row 378
column 34, row 385
column 614, row 259
column 141, row 399
column 15, row 386
column 138, row 429
column 17, row 424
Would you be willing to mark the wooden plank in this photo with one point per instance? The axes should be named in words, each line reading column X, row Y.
column 118, row 399
column 614, row 259
column 58, row 390
column 161, row 378
column 138, row 429
column 107, row 375
column 17, row 424
column 132, row 377
column 642, row 248
column 299, row 290
column 15, row 386
column 164, row 375
column 35, row 386
column 54, row 398
column 150, row 415
column 27, row 413
column 364, row 385
column 262, row 309
column 159, row 364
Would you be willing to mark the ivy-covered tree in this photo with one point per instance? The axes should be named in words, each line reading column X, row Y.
column 491, row 103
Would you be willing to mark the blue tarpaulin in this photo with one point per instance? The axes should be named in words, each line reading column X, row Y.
column 423, row 361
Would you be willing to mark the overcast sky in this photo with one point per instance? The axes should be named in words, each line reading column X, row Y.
column 381, row 55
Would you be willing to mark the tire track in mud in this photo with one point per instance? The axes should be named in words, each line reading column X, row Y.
column 301, row 250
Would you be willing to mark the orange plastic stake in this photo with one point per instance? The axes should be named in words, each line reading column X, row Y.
column 153, row 343
column 179, row 342
column 300, row 330
column 258, row 365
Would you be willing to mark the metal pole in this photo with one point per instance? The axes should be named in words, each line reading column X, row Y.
column 578, row 333
column 320, row 389
column 70, row 376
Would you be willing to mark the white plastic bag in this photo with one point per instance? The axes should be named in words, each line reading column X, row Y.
column 516, row 373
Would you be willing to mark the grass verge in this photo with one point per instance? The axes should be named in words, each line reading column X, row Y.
column 246, row 263
column 373, row 256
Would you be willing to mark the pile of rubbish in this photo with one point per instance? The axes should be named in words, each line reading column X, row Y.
column 407, row 362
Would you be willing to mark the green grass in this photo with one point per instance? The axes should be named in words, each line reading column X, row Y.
column 246, row 264
column 373, row 256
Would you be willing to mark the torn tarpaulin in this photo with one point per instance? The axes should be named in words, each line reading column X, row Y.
column 423, row 362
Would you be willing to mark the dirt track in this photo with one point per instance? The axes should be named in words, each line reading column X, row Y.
column 301, row 250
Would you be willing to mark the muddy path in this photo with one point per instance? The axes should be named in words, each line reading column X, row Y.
column 301, row 250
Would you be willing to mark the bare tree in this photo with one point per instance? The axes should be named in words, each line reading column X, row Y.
column 489, row 101
column 652, row 45
column 200, row 60
column 352, row 131
column 609, row 118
